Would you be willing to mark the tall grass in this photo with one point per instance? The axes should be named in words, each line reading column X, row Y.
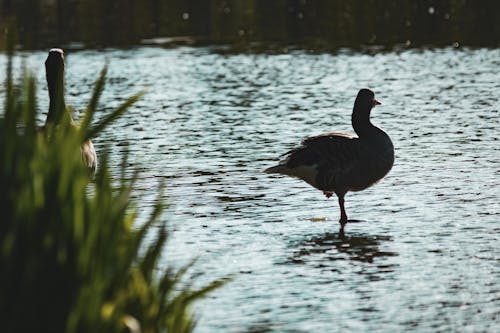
column 72, row 259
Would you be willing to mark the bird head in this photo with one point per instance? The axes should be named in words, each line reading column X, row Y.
column 366, row 100
column 54, row 68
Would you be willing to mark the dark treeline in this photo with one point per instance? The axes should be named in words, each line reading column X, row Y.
column 317, row 22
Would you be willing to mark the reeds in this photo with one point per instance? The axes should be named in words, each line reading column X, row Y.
column 71, row 258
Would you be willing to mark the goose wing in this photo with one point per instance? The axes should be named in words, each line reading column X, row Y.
column 326, row 161
column 333, row 150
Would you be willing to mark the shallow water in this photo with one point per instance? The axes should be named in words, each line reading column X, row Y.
column 426, row 256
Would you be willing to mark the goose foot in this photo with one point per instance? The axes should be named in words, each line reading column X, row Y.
column 327, row 194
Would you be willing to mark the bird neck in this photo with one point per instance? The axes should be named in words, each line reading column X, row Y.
column 57, row 105
column 361, row 123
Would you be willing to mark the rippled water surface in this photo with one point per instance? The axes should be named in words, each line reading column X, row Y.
column 426, row 258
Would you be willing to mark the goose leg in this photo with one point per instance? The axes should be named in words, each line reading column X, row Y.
column 343, row 215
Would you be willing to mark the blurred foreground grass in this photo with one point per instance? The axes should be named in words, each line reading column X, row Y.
column 71, row 257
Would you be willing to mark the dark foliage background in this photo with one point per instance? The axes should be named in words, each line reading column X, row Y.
column 322, row 23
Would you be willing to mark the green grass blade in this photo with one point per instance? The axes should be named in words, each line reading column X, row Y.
column 96, row 94
column 92, row 132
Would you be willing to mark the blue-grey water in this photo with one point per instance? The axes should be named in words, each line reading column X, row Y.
column 427, row 256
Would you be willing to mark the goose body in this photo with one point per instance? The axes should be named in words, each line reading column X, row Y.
column 54, row 70
column 339, row 163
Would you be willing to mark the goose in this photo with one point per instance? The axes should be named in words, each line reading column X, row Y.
column 54, row 71
column 337, row 162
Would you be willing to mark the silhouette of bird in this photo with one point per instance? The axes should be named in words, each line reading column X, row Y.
column 54, row 70
column 338, row 163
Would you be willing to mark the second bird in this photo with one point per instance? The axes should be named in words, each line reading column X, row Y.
column 54, row 71
column 338, row 163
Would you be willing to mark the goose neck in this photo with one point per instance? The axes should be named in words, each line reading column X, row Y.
column 361, row 123
column 57, row 104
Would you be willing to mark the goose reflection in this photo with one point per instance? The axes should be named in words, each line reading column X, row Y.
column 331, row 246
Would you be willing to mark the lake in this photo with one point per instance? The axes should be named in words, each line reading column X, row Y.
column 426, row 256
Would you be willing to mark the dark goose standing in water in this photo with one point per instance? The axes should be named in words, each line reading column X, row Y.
column 54, row 70
column 338, row 163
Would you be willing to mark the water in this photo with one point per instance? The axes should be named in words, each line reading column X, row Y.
column 426, row 258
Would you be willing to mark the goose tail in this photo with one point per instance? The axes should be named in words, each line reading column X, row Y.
column 280, row 168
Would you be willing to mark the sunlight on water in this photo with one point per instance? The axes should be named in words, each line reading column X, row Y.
column 426, row 259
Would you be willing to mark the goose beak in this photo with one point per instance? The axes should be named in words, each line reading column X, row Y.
column 375, row 102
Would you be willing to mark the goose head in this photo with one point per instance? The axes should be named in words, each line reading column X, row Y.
column 54, row 68
column 365, row 100
column 364, row 103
